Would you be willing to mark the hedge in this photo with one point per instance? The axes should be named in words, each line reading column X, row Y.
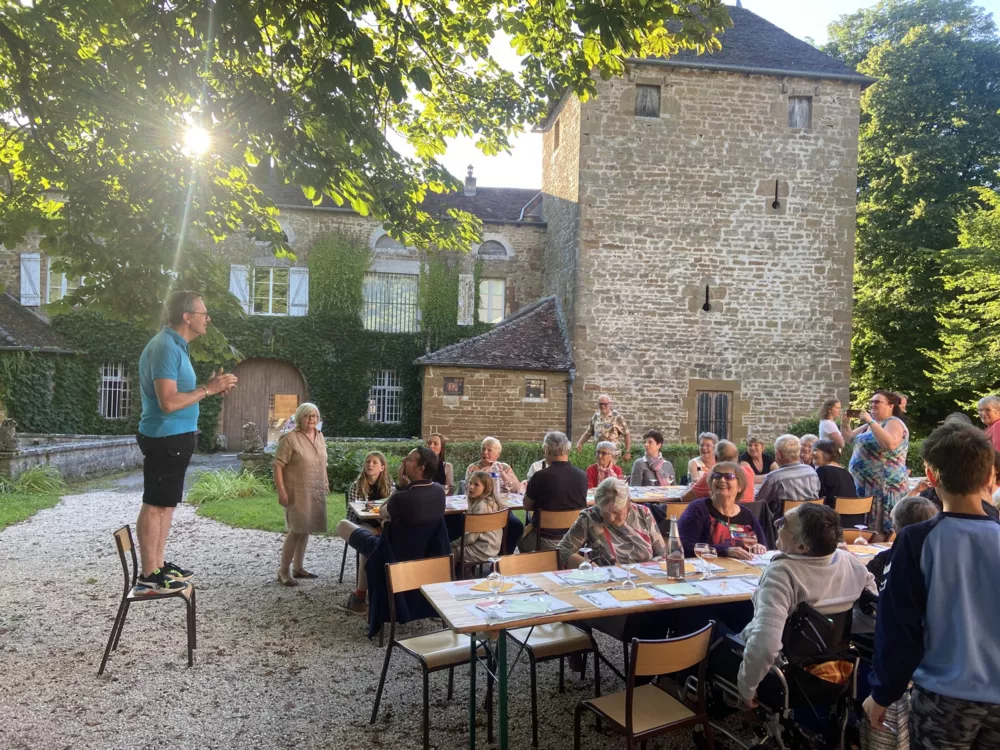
column 345, row 459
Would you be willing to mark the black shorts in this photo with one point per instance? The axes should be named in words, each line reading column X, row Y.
column 166, row 461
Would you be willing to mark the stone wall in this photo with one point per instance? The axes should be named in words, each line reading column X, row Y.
column 560, row 208
column 75, row 456
column 673, row 204
column 493, row 403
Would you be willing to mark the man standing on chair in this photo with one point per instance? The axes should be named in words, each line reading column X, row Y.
column 168, row 432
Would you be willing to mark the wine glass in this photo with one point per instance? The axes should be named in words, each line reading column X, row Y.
column 586, row 567
column 750, row 541
column 699, row 552
column 861, row 537
column 707, row 555
column 494, row 582
column 628, row 584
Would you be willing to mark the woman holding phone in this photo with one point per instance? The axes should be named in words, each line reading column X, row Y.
column 878, row 463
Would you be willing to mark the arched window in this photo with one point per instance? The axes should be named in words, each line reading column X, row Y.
column 492, row 249
column 387, row 243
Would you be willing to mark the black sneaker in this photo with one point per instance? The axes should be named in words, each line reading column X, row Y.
column 157, row 583
column 353, row 606
column 176, row 572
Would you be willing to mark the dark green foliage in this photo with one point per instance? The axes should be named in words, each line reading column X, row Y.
column 804, row 426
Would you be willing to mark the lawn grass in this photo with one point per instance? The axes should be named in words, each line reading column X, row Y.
column 17, row 507
column 263, row 512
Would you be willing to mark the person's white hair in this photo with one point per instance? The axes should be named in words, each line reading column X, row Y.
column 305, row 408
column 788, row 447
column 607, row 445
column 491, row 442
column 726, row 450
column 708, row 436
column 808, row 438
column 989, row 402
column 611, row 493
column 555, row 444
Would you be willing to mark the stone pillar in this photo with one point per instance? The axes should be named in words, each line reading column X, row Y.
column 466, row 299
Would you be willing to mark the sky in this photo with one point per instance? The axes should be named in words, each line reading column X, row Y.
column 523, row 166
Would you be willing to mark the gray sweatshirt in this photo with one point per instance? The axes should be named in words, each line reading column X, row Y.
column 831, row 584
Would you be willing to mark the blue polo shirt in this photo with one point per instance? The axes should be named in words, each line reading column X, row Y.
column 166, row 358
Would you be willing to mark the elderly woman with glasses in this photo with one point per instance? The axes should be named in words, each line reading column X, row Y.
column 301, row 481
column 605, row 466
column 507, row 481
column 718, row 520
column 989, row 413
column 878, row 463
column 616, row 529
column 705, row 459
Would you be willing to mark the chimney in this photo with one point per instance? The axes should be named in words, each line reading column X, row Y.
column 470, row 184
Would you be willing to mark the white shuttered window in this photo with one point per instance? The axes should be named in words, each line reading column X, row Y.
column 31, row 279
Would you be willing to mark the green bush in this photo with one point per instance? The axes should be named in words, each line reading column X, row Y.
column 806, row 426
column 345, row 459
column 38, row 480
column 227, row 484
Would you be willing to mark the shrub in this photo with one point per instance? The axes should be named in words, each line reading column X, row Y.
column 227, row 484
column 38, row 480
column 805, row 426
column 345, row 459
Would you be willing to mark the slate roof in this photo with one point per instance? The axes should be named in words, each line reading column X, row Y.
column 492, row 205
column 533, row 338
column 755, row 43
column 21, row 328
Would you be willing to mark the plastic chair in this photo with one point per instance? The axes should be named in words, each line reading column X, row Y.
column 126, row 545
column 441, row 649
column 552, row 641
column 647, row 711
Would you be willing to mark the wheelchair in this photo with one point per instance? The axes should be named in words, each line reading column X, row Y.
column 798, row 710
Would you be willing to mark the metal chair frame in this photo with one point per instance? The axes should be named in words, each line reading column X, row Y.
column 126, row 544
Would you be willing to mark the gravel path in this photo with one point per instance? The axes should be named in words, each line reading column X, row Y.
column 275, row 667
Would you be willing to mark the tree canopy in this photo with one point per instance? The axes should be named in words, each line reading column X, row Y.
column 930, row 137
column 96, row 98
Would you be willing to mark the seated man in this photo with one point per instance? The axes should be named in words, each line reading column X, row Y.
column 420, row 504
column 792, row 480
column 559, row 486
column 811, row 570
column 725, row 452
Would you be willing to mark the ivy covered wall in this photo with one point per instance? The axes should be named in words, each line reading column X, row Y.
column 329, row 346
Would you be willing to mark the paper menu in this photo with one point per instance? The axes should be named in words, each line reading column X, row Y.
column 638, row 594
column 484, row 586
column 607, row 600
column 471, row 589
column 678, row 589
column 573, row 577
column 521, row 608
column 726, row 586
column 863, row 550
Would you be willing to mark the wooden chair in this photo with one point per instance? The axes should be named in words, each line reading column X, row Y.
column 647, row 711
column 853, row 506
column 675, row 509
column 442, row 649
column 851, row 536
column 789, row 504
column 556, row 520
column 552, row 641
column 478, row 523
column 126, row 545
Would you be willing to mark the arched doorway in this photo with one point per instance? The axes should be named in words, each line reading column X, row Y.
column 267, row 394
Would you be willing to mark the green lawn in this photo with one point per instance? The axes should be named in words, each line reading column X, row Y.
column 263, row 512
column 17, row 507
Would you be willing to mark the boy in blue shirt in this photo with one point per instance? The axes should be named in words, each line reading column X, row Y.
column 938, row 611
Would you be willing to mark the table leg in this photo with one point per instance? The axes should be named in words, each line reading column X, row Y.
column 502, row 678
column 473, row 664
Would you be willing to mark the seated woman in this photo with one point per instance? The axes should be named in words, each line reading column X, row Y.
column 445, row 475
column 489, row 452
column 806, row 446
column 719, row 520
column 373, row 483
column 616, row 529
column 482, row 499
column 705, row 459
column 605, row 467
column 760, row 461
column 834, row 480
column 652, row 469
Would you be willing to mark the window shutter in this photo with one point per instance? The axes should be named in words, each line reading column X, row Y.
column 31, row 279
column 298, row 291
column 238, row 286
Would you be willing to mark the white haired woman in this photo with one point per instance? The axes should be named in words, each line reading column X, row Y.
column 604, row 467
column 806, row 443
column 489, row 452
column 705, row 460
column 616, row 529
column 989, row 412
column 302, row 484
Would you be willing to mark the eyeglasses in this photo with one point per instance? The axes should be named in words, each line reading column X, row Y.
column 728, row 476
column 604, row 403
column 190, row 312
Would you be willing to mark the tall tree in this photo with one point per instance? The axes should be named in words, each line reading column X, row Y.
column 97, row 97
column 930, row 133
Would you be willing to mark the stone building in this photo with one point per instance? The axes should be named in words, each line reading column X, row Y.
column 695, row 222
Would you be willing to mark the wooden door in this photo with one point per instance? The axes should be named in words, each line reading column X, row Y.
column 267, row 389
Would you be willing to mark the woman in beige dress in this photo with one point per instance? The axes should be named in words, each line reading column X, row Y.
column 302, row 484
